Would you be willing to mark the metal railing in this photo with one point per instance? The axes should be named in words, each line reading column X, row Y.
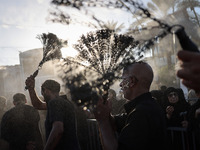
column 93, row 132
column 185, row 137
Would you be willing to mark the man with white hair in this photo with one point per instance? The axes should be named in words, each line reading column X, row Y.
column 142, row 127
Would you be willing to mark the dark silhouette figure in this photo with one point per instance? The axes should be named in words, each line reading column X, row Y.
column 60, row 124
column 176, row 109
column 158, row 96
column 142, row 127
column 19, row 125
column 3, row 101
column 194, row 122
column 117, row 104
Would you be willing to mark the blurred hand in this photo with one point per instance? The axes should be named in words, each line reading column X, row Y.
column 102, row 111
column 30, row 82
column 190, row 69
column 197, row 113
column 169, row 111
column 30, row 145
column 184, row 124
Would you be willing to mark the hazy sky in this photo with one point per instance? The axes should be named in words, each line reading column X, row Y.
column 22, row 20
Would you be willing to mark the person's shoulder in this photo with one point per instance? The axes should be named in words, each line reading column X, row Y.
column 30, row 111
column 148, row 105
column 11, row 111
column 27, row 107
column 60, row 101
column 6, row 114
column 147, row 101
column 66, row 100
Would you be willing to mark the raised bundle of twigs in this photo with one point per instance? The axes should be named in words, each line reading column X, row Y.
column 51, row 49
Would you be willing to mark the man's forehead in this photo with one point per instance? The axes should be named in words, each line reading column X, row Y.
column 130, row 69
column 127, row 74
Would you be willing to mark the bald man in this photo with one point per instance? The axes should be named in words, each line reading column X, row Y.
column 142, row 127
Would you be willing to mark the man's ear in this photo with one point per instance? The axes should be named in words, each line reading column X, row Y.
column 47, row 91
column 131, row 83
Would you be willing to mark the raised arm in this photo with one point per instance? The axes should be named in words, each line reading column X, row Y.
column 106, row 126
column 36, row 102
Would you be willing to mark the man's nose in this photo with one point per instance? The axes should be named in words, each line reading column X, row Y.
column 173, row 95
column 120, row 84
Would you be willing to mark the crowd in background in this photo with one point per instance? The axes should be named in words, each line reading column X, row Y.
column 182, row 112
column 22, row 126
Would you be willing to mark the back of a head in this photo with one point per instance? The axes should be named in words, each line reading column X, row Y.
column 163, row 88
column 169, row 90
column 52, row 85
column 3, row 101
column 158, row 94
column 181, row 94
column 192, row 97
column 192, row 94
column 19, row 98
column 112, row 92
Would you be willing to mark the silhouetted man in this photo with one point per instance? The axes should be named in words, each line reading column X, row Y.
column 60, row 122
column 142, row 127
column 19, row 126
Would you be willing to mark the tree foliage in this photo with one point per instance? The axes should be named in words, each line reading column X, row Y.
column 102, row 55
column 146, row 29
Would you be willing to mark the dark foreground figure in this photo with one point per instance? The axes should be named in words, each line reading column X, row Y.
column 142, row 127
column 60, row 121
column 19, row 126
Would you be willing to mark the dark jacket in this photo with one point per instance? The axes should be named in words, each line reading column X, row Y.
column 143, row 127
column 19, row 126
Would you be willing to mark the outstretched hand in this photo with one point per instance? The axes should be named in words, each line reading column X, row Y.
column 190, row 69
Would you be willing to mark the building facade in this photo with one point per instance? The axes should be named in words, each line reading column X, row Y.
column 12, row 78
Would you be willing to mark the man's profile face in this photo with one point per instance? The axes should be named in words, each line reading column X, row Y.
column 173, row 97
column 129, row 80
column 44, row 93
column 125, row 85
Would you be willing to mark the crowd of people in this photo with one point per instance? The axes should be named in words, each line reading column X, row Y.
column 180, row 112
column 141, row 120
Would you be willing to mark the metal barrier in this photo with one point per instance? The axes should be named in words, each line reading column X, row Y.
column 186, row 137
